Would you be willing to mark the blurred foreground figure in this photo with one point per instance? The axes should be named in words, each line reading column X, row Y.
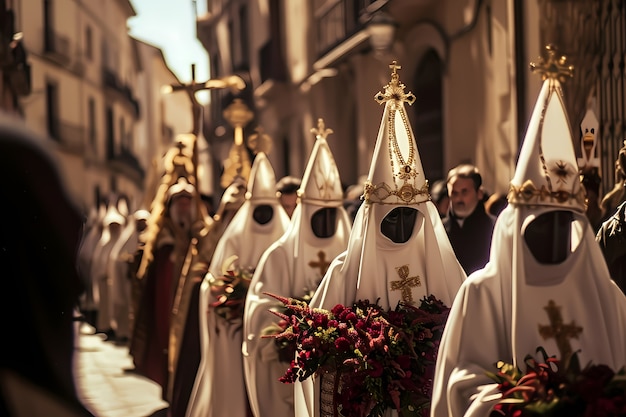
column 545, row 285
column 39, row 237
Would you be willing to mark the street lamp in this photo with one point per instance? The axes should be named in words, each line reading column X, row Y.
column 381, row 29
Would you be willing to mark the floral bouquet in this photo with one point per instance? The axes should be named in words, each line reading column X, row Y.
column 286, row 349
column 380, row 358
column 553, row 388
column 230, row 292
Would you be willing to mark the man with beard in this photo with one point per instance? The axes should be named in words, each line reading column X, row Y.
column 544, row 287
column 468, row 226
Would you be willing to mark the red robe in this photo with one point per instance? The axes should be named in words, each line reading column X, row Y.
column 151, row 332
column 188, row 362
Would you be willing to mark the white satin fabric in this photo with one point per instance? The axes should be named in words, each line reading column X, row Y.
column 219, row 389
column 499, row 309
column 367, row 269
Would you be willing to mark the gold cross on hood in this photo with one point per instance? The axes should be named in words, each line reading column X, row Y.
column 395, row 89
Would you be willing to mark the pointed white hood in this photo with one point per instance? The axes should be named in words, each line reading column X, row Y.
column 396, row 179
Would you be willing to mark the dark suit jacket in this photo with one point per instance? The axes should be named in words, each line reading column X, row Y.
column 472, row 242
column 612, row 240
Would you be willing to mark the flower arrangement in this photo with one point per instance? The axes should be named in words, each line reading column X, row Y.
column 230, row 292
column 381, row 358
column 554, row 388
column 286, row 349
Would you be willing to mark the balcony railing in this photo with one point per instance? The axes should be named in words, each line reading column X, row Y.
column 337, row 22
column 57, row 46
column 127, row 164
column 111, row 81
column 71, row 137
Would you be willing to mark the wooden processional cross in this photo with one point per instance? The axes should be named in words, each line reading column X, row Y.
column 561, row 332
column 321, row 263
column 405, row 284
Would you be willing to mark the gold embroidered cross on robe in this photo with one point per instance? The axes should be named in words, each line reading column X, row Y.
column 559, row 331
column 405, row 284
column 321, row 263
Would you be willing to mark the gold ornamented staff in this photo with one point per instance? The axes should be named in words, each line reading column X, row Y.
column 183, row 162
column 238, row 162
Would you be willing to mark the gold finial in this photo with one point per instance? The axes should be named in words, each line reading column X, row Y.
column 395, row 89
column 238, row 115
column 180, row 146
column 321, row 131
column 395, row 67
column 238, row 162
column 553, row 67
column 260, row 141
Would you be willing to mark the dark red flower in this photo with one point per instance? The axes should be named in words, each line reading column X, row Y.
column 404, row 361
column 592, row 380
column 384, row 358
column 342, row 344
column 552, row 389
column 375, row 369
column 351, row 317
column 337, row 310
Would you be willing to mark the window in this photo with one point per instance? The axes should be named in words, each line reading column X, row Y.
column 91, row 122
column 123, row 134
column 52, row 109
column 104, row 52
column 48, row 25
column 126, row 137
column 245, row 38
column 97, row 194
column 88, row 43
column 110, row 134
column 231, row 42
column 429, row 114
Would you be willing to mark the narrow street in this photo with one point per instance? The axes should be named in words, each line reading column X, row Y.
column 104, row 386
